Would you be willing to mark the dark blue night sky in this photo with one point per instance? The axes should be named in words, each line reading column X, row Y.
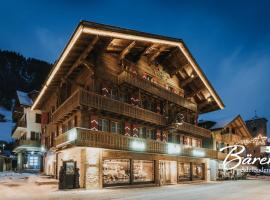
column 229, row 39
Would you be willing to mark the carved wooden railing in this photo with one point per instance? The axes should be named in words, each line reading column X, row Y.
column 106, row 140
column 192, row 129
column 230, row 138
column 155, row 89
column 90, row 99
column 67, row 106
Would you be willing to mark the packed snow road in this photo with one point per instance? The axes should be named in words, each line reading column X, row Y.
column 24, row 186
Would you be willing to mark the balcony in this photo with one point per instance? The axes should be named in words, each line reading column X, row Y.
column 93, row 100
column 20, row 127
column 139, row 82
column 230, row 138
column 30, row 145
column 33, row 143
column 191, row 129
column 106, row 140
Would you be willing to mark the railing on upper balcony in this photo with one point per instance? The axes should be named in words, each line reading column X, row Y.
column 191, row 128
column 156, row 89
column 106, row 140
column 230, row 137
column 28, row 143
column 90, row 99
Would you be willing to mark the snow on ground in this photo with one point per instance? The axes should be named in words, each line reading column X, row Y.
column 23, row 186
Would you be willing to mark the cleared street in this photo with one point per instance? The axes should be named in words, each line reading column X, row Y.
column 26, row 187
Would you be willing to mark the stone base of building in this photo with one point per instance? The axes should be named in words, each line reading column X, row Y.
column 100, row 168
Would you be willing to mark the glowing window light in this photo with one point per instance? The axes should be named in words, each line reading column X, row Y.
column 198, row 153
column 138, row 145
column 72, row 135
column 174, row 148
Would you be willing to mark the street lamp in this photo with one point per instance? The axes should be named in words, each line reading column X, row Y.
column 3, row 146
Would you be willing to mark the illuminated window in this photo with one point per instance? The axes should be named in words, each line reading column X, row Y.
column 143, row 171
column 33, row 161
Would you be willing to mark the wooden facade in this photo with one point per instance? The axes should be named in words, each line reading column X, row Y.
column 112, row 87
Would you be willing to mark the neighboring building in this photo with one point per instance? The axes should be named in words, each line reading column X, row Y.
column 27, row 132
column 122, row 106
column 5, row 163
column 226, row 132
column 258, row 128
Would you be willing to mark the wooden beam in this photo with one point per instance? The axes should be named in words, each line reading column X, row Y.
column 174, row 71
column 146, row 51
column 84, row 54
column 192, row 94
column 203, row 104
column 156, row 54
column 188, row 80
column 127, row 50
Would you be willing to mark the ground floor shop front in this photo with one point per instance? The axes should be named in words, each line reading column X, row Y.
column 105, row 168
column 29, row 160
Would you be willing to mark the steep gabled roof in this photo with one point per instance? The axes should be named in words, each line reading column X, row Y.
column 171, row 52
column 235, row 122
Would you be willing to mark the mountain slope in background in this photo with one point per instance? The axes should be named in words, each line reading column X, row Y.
column 20, row 73
column 17, row 73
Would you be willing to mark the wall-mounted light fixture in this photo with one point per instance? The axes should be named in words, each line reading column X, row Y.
column 198, row 153
column 173, row 148
column 138, row 145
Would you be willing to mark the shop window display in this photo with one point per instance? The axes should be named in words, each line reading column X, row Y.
column 116, row 171
column 143, row 171
column 184, row 172
column 197, row 171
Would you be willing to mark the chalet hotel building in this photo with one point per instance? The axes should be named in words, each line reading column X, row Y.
column 123, row 105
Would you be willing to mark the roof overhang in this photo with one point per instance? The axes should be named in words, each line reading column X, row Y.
column 87, row 31
column 239, row 124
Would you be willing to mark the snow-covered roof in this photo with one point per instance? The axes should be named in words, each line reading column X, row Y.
column 24, row 99
column 222, row 123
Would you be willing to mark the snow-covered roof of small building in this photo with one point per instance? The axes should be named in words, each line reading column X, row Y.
column 24, row 99
column 222, row 123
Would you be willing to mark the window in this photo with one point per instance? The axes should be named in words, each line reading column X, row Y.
column 151, row 133
column 116, row 127
column 142, row 132
column 143, row 171
column 33, row 161
column 35, row 136
column 184, row 172
column 170, row 137
column 103, row 125
column 116, row 171
column 114, row 93
column 38, row 118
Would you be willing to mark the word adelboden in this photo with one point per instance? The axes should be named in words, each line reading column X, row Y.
column 235, row 152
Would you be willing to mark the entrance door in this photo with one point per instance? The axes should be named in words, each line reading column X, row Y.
column 168, row 172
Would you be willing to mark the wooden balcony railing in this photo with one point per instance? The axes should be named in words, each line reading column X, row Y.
column 139, row 82
column 90, row 99
column 230, row 138
column 29, row 143
column 192, row 129
column 90, row 138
